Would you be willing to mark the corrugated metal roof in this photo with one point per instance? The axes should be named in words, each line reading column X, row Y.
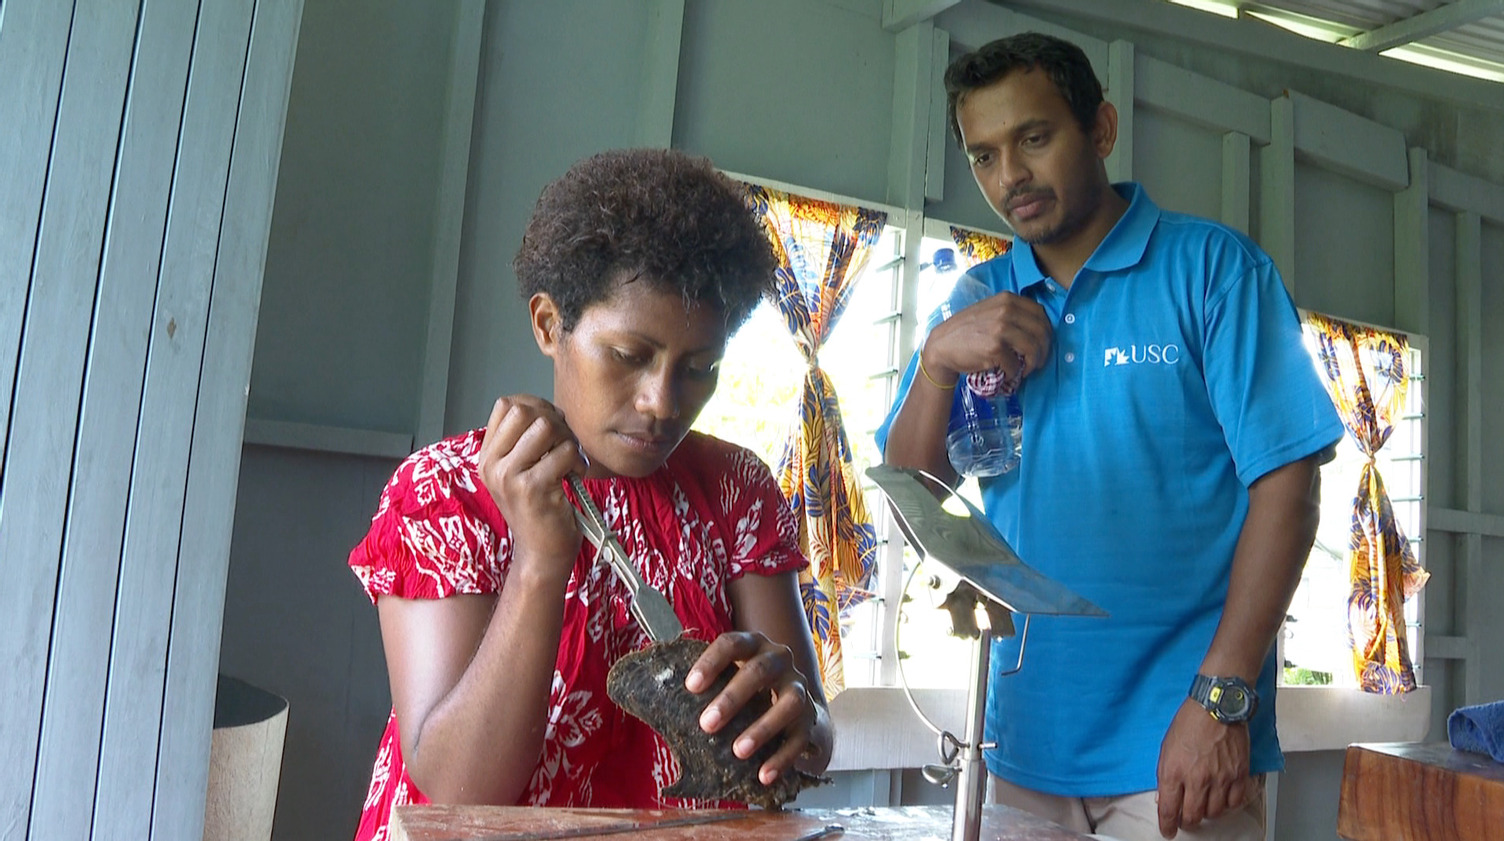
column 1484, row 40
column 1474, row 30
column 1358, row 14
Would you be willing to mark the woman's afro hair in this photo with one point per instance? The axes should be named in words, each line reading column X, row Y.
column 653, row 215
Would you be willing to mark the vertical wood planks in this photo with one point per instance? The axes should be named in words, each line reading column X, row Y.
column 213, row 472
column 1469, row 269
column 39, row 447
column 148, row 565
column 82, row 629
column 127, row 311
column 33, row 44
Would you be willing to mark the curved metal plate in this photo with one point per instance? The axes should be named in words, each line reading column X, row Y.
column 970, row 546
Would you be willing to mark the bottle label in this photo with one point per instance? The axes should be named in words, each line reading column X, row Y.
column 993, row 382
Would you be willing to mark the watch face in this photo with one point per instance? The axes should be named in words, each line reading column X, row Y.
column 1231, row 701
column 1228, row 699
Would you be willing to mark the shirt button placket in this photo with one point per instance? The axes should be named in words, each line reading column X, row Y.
column 1070, row 318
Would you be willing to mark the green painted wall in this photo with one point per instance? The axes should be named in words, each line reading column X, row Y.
column 345, row 305
column 790, row 90
column 558, row 81
column 800, row 91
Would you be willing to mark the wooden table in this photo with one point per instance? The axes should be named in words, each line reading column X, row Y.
column 1420, row 792
column 516, row 823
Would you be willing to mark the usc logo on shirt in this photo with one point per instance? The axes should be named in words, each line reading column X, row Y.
column 1142, row 354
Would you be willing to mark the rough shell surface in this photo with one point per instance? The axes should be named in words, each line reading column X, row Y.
column 649, row 684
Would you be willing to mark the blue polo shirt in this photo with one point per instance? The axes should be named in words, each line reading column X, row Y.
column 1178, row 376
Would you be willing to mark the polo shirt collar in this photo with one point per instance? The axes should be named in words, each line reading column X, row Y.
column 1122, row 248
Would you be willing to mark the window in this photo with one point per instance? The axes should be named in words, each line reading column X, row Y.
column 1315, row 642
column 754, row 405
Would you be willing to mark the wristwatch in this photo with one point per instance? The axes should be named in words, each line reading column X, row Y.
column 1230, row 700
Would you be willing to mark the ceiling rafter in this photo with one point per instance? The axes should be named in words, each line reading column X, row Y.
column 901, row 14
column 1424, row 25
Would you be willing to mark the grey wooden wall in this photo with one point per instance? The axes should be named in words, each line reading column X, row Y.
column 419, row 135
column 140, row 142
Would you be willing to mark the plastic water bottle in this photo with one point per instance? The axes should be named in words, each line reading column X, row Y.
column 982, row 438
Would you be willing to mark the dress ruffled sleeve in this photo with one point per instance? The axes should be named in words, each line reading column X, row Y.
column 764, row 533
column 435, row 532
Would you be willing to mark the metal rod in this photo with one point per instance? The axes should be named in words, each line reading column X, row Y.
column 972, row 786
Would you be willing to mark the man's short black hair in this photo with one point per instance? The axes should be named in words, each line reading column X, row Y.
column 1064, row 62
column 658, row 216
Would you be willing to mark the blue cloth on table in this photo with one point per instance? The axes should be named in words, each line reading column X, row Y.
column 1478, row 729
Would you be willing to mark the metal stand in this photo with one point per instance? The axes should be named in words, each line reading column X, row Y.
column 971, row 785
column 967, row 544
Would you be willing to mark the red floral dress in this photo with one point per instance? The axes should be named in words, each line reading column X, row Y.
column 712, row 513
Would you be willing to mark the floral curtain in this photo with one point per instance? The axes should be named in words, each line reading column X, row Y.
column 822, row 248
column 1365, row 374
column 976, row 247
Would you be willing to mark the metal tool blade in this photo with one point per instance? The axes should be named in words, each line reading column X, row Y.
column 649, row 607
column 971, row 547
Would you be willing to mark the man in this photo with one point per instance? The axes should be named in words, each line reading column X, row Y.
column 1173, row 426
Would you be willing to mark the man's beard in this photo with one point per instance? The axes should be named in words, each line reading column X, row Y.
column 1074, row 220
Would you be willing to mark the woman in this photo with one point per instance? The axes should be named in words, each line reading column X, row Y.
column 498, row 624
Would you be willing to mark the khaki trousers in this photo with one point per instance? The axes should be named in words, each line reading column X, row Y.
column 1130, row 817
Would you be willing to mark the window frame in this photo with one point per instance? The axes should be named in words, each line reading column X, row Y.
column 1315, row 718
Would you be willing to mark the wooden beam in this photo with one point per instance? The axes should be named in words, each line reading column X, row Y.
column 1200, row 100
column 1353, row 145
column 1465, row 522
column 1468, row 260
column 899, row 15
column 939, row 129
column 908, row 154
column 327, row 439
column 1237, row 159
column 1475, row 620
column 973, row 24
column 1262, row 42
column 1419, row 27
column 1277, row 191
column 1443, row 647
column 1460, row 192
column 1412, row 254
column 660, row 74
column 1120, row 92
column 454, row 171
